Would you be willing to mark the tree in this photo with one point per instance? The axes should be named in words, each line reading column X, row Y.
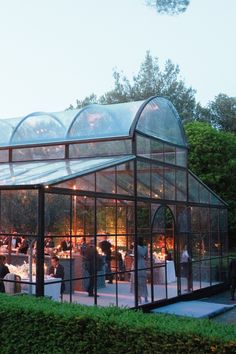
column 212, row 157
column 170, row 7
column 150, row 81
column 223, row 112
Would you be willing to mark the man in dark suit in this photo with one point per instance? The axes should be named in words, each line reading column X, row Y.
column 106, row 246
column 3, row 271
column 57, row 271
column 232, row 275
column 90, row 255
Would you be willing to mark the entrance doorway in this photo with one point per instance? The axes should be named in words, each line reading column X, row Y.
column 164, row 254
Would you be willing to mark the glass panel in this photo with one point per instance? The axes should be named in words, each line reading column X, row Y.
column 181, row 157
column 38, row 128
column 160, row 119
column 4, row 155
column 143, row 146
column 157, row 181
column 112, row 147
column 169, row 183
column 169, row 154
column 83, row 216
column 104, row 121
column 19, row 211
column 181, row 185
column 157, row 150
column 143, row 179
column 204, row 194
column 106, row 181
column 53, row 171
column 199, row 193
column 125, row 219
column 57, row 214
column 125, row 178
column 183, row 219
column 83, row 183
column 106, row 216
column 193, row 189
column 39, row 153
column 195, row 219
column 143, row 218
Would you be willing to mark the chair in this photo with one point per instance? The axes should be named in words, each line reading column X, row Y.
column 13, row 286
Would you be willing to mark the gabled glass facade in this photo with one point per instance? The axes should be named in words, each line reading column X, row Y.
column 116, row 173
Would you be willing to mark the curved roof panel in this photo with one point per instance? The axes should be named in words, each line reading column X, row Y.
column 154, row 117
column 38, row 126
column 101, row 121
column 160, row 119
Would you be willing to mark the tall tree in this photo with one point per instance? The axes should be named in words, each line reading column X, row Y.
column 223, row 112
column 150, row 81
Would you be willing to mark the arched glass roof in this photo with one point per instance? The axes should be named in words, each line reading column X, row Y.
column 155, row 117
column 160, row 119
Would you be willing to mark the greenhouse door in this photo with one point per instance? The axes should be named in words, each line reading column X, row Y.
column 164, row 254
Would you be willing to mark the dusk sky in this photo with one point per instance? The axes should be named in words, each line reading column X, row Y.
column 55, row 51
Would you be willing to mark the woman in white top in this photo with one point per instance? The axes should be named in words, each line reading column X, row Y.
column 142, row 253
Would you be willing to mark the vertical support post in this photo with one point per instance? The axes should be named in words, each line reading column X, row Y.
column 135, row 237
column 40, row 244
column 71, row 230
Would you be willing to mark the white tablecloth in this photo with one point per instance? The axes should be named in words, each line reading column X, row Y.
column 160, row 275
column 51, row 290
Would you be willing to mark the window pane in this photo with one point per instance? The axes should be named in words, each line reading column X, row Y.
column 19, row 211
column 181, row 157
column 106, row 216
column 112, row 147
column 143, row 146
column 157, row 181
column 39, row 153
column 169, row 154
column 4, row 155
column 143, row 179
column 181, row 185
column 125, row 178
column 84, row 183
column 105, row 181
column 57, row 214
column 169, row 183
column 156, row 150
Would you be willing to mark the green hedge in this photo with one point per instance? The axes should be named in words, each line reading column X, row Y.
column 31, row 325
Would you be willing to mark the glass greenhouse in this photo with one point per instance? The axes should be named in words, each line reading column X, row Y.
column 70, row 180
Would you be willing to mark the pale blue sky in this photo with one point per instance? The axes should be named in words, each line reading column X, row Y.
column 54, row 51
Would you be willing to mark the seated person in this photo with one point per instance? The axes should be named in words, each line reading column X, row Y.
column 49, row 242
column 66, row 244
column 24, row 245
column 57, row 271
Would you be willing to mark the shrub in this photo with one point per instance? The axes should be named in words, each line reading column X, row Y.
column 34, row 325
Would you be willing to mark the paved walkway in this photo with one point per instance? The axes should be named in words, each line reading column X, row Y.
column 228, row 317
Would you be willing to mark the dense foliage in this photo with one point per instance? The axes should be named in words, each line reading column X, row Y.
column 212, row 157
column 31, row 325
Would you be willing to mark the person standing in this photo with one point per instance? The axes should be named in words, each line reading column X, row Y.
column 142, row 253
column 90, row 260
column 186, row 268
column 3, row 271
column 106, row 246
column 232, row 275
